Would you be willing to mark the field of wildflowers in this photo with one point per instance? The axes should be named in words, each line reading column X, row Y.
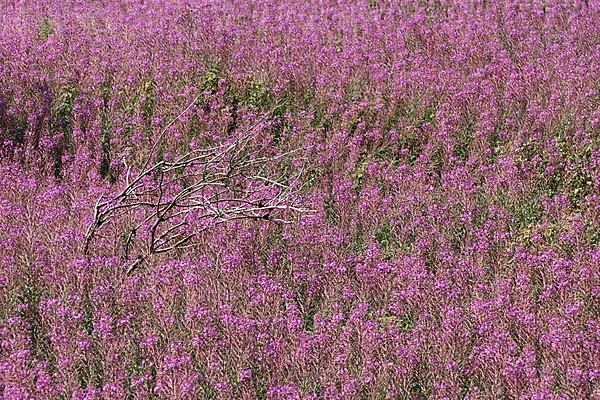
column 438, row 235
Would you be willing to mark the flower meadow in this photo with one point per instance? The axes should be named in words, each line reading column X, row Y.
column 444, row 237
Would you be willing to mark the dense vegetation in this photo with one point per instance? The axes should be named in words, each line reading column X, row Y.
column 449, row 151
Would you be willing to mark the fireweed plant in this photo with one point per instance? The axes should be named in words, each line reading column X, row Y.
column 448, row 153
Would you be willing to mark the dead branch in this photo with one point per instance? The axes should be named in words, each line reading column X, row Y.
column 174, row 202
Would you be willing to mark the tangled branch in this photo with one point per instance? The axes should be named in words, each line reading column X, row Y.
column 173, row 202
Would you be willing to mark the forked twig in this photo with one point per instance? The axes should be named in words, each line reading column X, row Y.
column 216, row 185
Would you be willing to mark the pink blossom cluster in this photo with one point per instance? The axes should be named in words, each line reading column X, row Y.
column 450, row 151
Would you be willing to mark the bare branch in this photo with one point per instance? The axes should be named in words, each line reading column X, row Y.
column 218, row 184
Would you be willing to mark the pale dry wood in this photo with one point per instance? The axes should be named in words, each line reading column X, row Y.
column 224, row 184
